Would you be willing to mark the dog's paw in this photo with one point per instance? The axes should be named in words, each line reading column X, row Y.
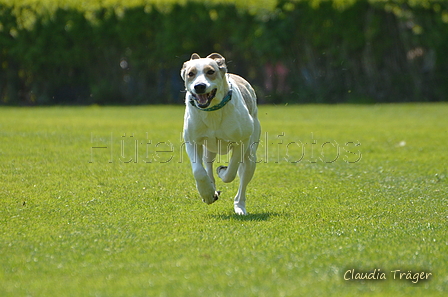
column 213, row 198
column 220, row 170
column 240, row 210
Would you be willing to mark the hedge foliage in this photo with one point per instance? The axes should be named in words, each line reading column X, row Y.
column 130, row 52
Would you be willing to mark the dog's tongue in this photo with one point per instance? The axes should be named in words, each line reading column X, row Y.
column 202, row 98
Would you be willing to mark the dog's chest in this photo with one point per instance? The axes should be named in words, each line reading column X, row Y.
column 212, row 122
column 219, row 128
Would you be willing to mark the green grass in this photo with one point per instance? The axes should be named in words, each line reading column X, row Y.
column 77, row 221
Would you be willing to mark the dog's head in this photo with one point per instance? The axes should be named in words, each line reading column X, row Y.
column 205, row 78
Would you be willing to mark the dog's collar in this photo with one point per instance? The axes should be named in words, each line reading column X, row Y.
column 223, row 102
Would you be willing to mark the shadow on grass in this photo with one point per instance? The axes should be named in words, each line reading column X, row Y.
column 264, row 216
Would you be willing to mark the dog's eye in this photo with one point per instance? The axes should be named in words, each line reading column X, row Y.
column 190, row 74
column 211, row 72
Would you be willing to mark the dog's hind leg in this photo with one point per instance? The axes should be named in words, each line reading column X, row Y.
column 245, row 172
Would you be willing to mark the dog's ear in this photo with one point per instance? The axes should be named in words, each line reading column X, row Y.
column 219, row 60
column 184, row 67
column 182, row 71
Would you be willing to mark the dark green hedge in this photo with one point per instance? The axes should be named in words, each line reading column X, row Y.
column 381, row 52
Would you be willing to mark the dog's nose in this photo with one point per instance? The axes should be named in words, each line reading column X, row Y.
column 200, row 88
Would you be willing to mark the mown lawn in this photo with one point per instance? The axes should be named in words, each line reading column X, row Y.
column 100, row 201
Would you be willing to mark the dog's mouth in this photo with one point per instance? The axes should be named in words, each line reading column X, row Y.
column 204, row 99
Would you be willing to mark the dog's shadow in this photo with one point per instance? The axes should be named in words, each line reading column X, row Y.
column 260, row 217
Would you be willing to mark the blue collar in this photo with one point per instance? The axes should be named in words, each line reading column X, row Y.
column 217, row 106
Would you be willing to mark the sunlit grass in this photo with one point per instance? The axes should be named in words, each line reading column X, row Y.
column 100, row 201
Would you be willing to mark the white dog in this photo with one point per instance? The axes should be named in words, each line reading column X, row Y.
column 220, row 116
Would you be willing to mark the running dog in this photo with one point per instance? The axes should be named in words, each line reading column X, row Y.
column 220, row 117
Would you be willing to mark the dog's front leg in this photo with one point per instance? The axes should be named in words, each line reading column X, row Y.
column 204, row 184
column 228, row 173
column 209, row 158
